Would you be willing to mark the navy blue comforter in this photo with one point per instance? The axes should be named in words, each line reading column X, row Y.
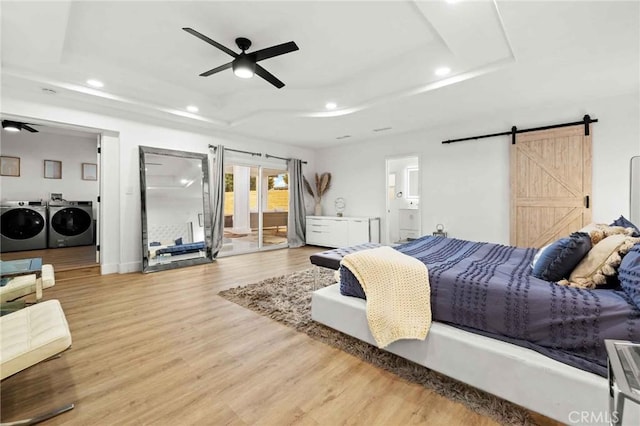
column 488, row 289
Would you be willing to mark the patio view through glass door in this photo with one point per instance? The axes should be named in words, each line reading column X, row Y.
column 256, row 209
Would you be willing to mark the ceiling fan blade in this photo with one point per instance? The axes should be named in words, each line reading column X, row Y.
column 29, row 128
column 211, row 42
column 215, row 70
column 270, row 52
column 269, row 77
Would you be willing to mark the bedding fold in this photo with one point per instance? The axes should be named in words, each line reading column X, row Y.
column 398, row 293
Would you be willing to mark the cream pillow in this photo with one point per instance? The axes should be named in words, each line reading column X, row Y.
column 601, row 231
column 601, row 261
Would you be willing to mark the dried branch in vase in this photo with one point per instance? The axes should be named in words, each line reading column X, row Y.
column 323, row 184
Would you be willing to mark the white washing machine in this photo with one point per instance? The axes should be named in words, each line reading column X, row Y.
column 23, row 226
column 70, row 223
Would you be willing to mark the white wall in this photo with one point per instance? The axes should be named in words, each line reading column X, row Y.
column 465, row 186
column 121, row 235
column 33, row 149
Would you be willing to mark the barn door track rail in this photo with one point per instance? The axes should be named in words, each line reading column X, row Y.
column 586, row 120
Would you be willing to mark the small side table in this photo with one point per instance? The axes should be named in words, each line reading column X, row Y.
column 624, row 376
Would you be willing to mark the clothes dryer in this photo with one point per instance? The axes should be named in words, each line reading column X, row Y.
column 70, row 223
column 23, row 225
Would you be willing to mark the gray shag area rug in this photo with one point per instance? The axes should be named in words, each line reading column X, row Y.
column 287, row 299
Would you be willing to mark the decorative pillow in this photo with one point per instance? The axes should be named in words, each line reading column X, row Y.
column 629, row 274
column 625, row 223
column 178, row 241
column 603, row 231
column 601, row 262
column 538, row 255
column 558, row 259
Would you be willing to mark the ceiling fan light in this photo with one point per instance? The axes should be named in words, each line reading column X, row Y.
column 10, row 126
column 243, row 67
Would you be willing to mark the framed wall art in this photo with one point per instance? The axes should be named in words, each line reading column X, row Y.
column 9, row 166
column 52, row 169
column 89, row 171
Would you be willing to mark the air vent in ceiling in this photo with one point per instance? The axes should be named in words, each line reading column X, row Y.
column 382, row 129
column 343, row 137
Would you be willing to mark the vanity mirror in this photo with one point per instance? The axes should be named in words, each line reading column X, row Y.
column 176, row 212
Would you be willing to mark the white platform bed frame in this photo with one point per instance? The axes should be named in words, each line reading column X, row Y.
column 511, row 372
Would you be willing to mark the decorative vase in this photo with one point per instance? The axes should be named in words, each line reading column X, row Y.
column 317, row 211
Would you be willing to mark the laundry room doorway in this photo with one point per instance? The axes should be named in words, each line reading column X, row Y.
column 49, row 206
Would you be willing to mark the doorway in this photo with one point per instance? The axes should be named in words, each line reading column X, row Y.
column 56, row 186
column 402, row 199
column 256, row 208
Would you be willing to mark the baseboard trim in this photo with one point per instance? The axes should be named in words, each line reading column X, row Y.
column 126, row 268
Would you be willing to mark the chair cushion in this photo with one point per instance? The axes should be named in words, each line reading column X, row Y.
column 31, row 335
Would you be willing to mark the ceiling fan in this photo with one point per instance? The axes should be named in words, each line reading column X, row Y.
column 16, row 126
column 244, row 64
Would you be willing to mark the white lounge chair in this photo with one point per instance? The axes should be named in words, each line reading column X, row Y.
column 30, row 336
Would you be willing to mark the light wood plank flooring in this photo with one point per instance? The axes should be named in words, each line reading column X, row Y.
column 164, row 348
column 62, row 259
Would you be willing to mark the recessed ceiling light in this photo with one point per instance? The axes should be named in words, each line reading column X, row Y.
column 331, row 105
column 183, row 181
column 193, row 108
column 95, row 83
column 442, row 71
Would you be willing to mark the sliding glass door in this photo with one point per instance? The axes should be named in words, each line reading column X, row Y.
column 275, row 207
column 255, row 208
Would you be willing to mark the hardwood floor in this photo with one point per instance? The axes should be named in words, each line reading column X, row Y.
column 164, row 348
column 62, row 259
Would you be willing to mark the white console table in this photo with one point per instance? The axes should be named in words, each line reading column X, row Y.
column 334, row 231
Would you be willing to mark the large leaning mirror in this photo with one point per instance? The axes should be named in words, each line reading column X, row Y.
column 176, row 214
column 634, row 207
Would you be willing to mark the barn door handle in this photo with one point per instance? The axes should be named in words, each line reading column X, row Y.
column 586, row 201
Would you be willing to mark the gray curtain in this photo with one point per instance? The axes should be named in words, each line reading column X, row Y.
column 297, row 210
column 217, row 200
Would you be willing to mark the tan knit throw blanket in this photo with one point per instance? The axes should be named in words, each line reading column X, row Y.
column 398, row 293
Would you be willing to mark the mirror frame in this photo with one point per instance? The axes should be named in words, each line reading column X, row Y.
column 206, row 200
column 634, row 190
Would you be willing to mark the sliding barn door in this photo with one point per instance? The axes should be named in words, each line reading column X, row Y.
column 550, row 185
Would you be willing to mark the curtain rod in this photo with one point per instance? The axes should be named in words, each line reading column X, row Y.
column 586, row 120
column 281, row 158
column 254, row 154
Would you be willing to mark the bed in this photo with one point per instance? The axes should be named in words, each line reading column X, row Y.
column 175, row 250
column 172, row 240
column 491, row 316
